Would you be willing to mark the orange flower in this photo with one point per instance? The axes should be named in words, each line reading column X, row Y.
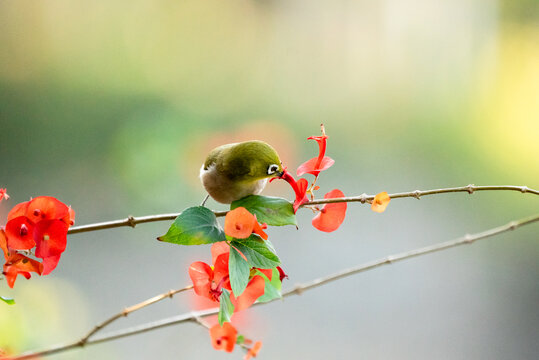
column 380, row 202
column 240, row 224
column 252, row 352
column 223, row 337
column 254, row 290
column 330, row 216
column 18, row 264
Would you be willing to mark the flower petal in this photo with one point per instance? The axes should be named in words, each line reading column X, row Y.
column 3, row 244
column 239, row 223
column 259, row 230
column 380, row 202
column 18, row 210
column 19, row 232
column 50, row 237
column 69, row 219
column 201, row 275
column 299, row 187
column 301, row 195
column 253, row 291
column 223, row 337
column 314, row 166
column 18, row 264
column 220, row 271
column 50, row 263
column 217, row 249
column 332, row 215
column 46, row 208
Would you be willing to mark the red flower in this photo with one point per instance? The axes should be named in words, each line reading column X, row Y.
column 50, row 238
column 50, row 263
column 252, row 352
column 18, row 264
column 320, row 163
column 223, row 337
column 300, row 189
column 18, row 210
column 41, row 222
column 240, row 224
column 330, row 216
column 47, row 208
column 209, row 282
column 3, row 194
column 20, row 233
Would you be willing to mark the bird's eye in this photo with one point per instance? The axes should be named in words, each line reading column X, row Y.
column 272, row 169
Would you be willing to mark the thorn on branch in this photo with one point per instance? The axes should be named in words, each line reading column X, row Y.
column 524, row 189
column 389, row 260
column 513, row 225
column 131, row 221
column 125, row 312
column 470, row 188
column 468, row 239
column 171, row 294
column 417, row 194
column 298, row 289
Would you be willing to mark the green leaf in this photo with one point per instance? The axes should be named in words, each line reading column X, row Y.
column 238, row 270
column 274, row 211
column 257, row 252
column 240, row 339
column 226, row 309
column 194, row 226
column 8, row 301
column 272, row 289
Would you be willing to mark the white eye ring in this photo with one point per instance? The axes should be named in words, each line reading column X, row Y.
column 272, row 169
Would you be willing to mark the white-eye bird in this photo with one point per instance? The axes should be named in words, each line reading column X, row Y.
column 233, row 171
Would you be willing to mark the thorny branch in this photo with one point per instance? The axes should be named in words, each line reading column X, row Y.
column 133, row 221
column 195, row 317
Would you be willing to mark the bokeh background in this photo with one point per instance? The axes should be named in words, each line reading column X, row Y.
column 111, row 107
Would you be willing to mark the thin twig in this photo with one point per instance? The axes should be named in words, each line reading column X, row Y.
column 297, row 290
column 133, row 221
column 129, row 310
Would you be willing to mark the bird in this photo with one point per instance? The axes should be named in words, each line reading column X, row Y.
column 233, row 171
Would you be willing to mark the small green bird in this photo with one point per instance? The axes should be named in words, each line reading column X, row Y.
column 233, row 171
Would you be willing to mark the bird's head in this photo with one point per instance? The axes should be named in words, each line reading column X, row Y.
column 252, row 160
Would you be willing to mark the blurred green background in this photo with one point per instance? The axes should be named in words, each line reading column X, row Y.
column 111, row 106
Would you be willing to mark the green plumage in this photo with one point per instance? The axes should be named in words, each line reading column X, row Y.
column 233, row 171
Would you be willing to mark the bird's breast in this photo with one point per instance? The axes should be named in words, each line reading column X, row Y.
column 224, row 190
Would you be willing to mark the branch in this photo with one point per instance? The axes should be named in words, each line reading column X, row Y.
column 297, row 290
column 133, row 221
column 131, row 309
